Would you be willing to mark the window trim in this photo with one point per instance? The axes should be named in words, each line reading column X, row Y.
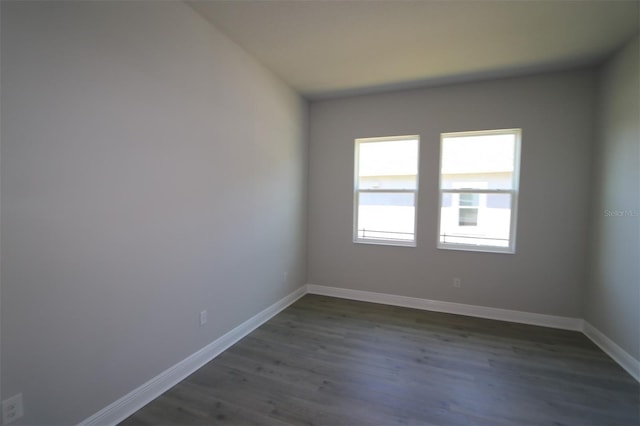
column 357, row 191
column 513, row 192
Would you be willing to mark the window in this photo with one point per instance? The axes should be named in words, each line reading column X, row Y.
column 386, row 190
column 479, row 174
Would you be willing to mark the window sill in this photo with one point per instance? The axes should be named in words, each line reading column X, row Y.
column 481, row 249
column 385, row 242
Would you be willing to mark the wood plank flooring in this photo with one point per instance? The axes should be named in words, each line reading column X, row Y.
column 328, row 361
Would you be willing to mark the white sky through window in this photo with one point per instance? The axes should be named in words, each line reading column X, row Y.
column 389, row 158
column 477, row 154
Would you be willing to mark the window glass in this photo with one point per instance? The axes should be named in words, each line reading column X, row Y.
column 386, row 189
column 478, row 190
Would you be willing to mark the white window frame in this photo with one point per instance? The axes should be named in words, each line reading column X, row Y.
column 357, row 191
column 513, row 192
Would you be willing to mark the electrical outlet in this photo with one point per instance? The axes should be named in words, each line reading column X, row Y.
column 203, row 317
column 457, row 282
column 12, row 409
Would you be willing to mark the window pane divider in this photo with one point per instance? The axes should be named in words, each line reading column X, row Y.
column 477, row 191
column 400, row 191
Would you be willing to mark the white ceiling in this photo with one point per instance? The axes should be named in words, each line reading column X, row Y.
column 326, row 48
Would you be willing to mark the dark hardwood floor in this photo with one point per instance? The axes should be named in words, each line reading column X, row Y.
column 328, row 361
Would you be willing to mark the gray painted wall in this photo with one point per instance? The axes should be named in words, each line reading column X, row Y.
column 150, row 170
column 613, row 292
column 547, row 273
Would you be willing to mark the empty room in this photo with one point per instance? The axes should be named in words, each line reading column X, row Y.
column 289, row 212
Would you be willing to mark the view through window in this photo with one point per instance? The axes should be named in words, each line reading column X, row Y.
column 479, row 190
column 386, row 190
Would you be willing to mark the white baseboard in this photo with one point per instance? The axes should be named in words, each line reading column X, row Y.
column 138, row 398
column 619, row 355
column 565, row 323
